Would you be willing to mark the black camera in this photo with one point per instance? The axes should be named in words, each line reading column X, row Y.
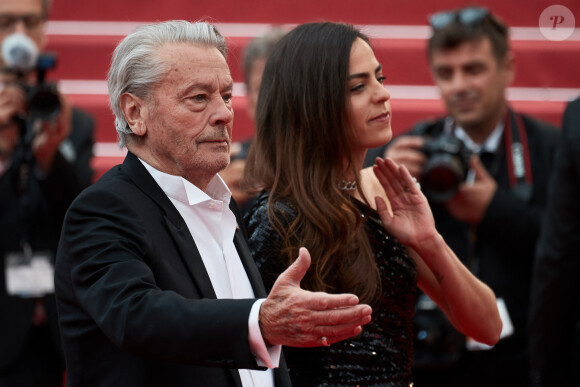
column 447, row 166
column 21, row 58
column 43, row 101
column 436, row 344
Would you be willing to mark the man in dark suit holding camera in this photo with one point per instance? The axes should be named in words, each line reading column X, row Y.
column 44, row 164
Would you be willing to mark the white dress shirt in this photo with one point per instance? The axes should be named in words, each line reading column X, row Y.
column 212, row 225
column 491, row 142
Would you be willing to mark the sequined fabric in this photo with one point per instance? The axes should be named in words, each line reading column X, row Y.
column 382, row 354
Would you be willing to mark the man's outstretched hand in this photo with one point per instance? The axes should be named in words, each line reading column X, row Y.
column 295, row 317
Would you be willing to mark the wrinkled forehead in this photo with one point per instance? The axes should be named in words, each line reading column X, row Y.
column 186, row 63
column 21, row 7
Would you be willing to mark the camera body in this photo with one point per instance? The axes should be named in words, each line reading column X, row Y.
column 21, row 58
column 446, row 167
column 42, row 99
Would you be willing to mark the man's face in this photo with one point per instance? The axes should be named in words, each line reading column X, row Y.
column 254, row 80
column 189, row 115
column 23, row 16
column 472, row 83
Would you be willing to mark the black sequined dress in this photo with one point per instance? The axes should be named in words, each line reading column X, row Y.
column 382, row 354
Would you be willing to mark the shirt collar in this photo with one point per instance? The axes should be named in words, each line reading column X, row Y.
column 178, row 188
column 491, row 142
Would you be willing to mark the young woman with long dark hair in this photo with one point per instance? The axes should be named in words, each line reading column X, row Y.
column 322, row 104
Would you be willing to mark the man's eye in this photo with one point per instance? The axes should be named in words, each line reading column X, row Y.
column 382, row 79
column 227, row 97
column 444, row 74
column 199, row 97
column 474, row 70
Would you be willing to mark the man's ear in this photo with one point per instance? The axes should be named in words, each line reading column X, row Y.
column 509, row 68
column 134, row 109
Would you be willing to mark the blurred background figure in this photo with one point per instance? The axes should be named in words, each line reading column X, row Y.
column 254, row 59
column 485, row 169
column 45, row 152
column 555, row 301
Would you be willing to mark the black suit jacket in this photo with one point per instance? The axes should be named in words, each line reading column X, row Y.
column 49, row 198
column 136, row 305
column 555, row 301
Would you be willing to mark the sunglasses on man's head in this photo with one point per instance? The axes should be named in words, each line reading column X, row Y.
column 469, row 17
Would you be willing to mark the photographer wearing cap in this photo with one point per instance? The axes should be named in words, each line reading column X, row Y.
column 485, row 169
column 45, row 152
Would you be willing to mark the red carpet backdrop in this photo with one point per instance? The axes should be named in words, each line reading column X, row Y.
column 84, row 34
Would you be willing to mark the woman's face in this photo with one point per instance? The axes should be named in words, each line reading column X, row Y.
column 368, row 109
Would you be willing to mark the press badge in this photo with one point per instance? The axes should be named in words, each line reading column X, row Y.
column 29, row 275
column 506, row 331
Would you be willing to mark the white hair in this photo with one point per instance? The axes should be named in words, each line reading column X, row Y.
column 136, row 67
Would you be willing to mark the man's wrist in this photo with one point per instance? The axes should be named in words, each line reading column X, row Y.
column 260, row 322
column 266, row 354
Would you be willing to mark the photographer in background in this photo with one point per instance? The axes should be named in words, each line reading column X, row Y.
column 256, row 54
column 44, row 164
column 492, row 219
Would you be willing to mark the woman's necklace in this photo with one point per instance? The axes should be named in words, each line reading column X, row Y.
column 349, row 185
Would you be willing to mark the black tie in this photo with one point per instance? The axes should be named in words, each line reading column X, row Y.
column 487, row 159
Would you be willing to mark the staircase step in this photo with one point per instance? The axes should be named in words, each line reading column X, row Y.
column 515, row 13
column 404, row 60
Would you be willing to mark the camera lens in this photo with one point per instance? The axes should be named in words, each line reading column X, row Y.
column 44, row 102
column 441, row 176
column 446, row 167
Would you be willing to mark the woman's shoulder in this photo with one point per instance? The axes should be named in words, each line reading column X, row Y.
column 262, row 203
column 258, row 214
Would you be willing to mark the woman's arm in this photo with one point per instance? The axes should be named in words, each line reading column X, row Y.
column 469, row 304
column 466, row 301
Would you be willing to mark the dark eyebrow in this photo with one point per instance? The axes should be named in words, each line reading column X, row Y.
column 437, row 67
column 364, row 75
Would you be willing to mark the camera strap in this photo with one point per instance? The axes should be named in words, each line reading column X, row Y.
column 518, row 156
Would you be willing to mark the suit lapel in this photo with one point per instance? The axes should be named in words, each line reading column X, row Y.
column 240, row 241
column 191, row 258
column 249, row 265
column 189, row 253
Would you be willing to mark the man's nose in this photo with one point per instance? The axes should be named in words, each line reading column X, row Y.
column 459, row 82
column 20, row 27
column 223, row 114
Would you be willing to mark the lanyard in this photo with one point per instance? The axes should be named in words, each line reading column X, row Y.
column 518, row 156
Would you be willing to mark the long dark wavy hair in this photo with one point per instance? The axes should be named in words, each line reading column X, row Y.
column 302, row 150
